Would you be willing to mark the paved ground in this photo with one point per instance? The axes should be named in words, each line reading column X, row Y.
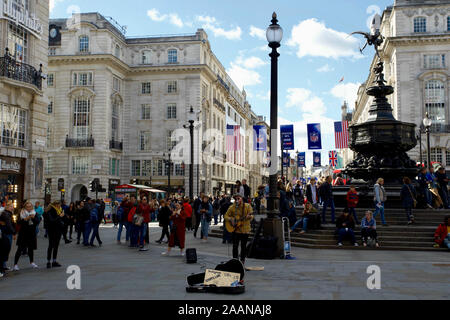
column 118, row 272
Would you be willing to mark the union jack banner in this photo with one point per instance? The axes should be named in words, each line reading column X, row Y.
column 333, row 158
column 341, row 134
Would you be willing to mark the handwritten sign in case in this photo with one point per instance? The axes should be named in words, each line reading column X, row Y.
column 221, row 278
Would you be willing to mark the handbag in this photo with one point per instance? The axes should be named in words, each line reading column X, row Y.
column 414, row 199
column 138, row 220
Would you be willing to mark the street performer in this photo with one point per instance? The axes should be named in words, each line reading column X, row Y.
column 237, row 221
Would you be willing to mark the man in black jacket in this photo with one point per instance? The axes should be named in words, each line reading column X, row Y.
column 344, row 227
column 298, row 194
column 195, row 212
column 312, row 193
column 326, row 193
column 8, row 234
column 247, row 191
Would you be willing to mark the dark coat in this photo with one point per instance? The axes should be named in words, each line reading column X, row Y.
column 326, row 191
column 27, row 233
column 55, row 223
column 164, row 216
column 350, row 223
column 406, row 197
column 7, row 225
column 309, row 194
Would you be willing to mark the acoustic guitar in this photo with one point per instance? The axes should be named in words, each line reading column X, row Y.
column 232, row 227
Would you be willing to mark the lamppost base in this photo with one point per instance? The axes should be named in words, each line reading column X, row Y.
column 273, row 227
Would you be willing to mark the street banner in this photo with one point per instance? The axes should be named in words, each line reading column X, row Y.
column 316, row 159
column 286, row 160
column 301, row 160
column 341, row 134
column 287, row 137
column 332, row 155
column 314, row 137
column 259, row 138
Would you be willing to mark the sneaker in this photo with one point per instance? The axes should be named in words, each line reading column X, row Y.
column 409, row 222
column 55, row 264
column 182, row 254
column 16, row 268
column 364, row 244
column 158, row 241
column 302, row 232
column 68, row 241
column 429, row 206
column 436, row 245
column 377, row 245
column 165, row 253
column 143, row 249
column 356, row 244
column 49, row 265
column 339, row 244
column 34, row 265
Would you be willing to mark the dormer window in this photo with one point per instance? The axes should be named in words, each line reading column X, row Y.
column 172, row 56
column 84, row 44
column 145, row 57
column 420, row 25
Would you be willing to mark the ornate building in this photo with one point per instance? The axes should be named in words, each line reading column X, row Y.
column 415, row 53
column 120, row 104
column 23, row 104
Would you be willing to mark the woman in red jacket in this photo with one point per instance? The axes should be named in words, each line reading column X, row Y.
column 145, row 210
column 188, row 210
column 178, row 231
column 442, row 234
column 352, row 202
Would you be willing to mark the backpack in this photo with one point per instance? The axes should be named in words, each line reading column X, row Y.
column 138, row 220
column 94, row 214
column 120, row 212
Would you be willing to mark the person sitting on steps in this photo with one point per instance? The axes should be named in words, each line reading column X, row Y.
column 344, row 227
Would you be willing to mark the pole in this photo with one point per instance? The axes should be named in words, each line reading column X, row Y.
column 420, row 147
column 168, row 174
column 428, row 148
column 191, row 165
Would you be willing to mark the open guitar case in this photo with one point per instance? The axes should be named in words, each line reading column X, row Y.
column 195, row 281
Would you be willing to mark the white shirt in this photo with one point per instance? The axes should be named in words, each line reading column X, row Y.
column 313, row 192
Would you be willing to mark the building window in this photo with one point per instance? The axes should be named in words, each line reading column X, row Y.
column 115, row 120
column 179, row 169
column 50, row 80
column 114, row 165
column 117, row 51
column 144, row 140
column 145, row 112
column 146, row 168
column 171, row 111
column 49, row 137
column 436, row 155
column 146, row 88
column 84, row 44
column 116, row 84
column 172, row 56
column 81, row 113
column 447, row 157
column 435, row 102
column 82, row 79
column 52, row 51
column 80, row 165
column 48, row 165
column 172, row 87
column 434, row 61
column 420, row 24
column 18, row 42
column 13, row 126
column 157, row 168
column 170, row 142
column 136, row 168
column 50, row 107
column 448, row 23
column 145, row 57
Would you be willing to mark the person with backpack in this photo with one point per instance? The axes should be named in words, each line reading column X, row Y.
column 352, row 202
column 145, row 210
column 298, row 194
column 326, row 194
column 137, row 234
column 87, row 220
column 80, row 213
column 96, row 219
column 408, row 196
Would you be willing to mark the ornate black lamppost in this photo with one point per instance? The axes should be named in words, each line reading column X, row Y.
column 419, row 137
column 427, row 124
column 274, row 36
column 191, row 120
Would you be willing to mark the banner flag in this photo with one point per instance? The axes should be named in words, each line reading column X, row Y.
column 314, row 137
column 286, row 159
column 259, row 138
column 316, row 159
column 301, row 160
column 287, row 137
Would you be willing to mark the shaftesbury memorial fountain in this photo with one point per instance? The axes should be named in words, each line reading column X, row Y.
column 381, row 142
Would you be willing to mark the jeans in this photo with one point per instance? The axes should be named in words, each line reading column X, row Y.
column 305, row 224
column 95, row 233
column 134, row 235
column 205, row 228
column 428, row 196
column 447, row 241
column 87, row 232
column 408, row 211
column 353, row 211
column 368, row 232
column 381, row 211
column 216, row 219
column 343, row 232
column 242, row 238
column 141, row 230
column 328, row 203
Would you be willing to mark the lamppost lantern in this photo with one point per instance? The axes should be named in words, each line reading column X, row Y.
column 274, row 33
column 191, row 115
column 427, row 121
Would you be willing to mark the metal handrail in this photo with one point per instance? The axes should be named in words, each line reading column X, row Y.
column 16, row 70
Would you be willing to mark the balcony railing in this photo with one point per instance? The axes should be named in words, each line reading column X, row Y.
column 79, row 143
column 440, row 128
column 223, row 83
column 220, row 105
column 116, row 145
column 16, row 70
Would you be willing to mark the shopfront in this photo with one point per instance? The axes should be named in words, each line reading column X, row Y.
column 12, row 180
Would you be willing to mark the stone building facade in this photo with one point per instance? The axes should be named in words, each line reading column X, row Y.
column 416, row 56
column 119, row 106
column 23, row 103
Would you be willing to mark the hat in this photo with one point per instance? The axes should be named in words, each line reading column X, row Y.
column 87, row 199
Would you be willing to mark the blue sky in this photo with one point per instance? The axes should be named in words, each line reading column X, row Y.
column 315, row 53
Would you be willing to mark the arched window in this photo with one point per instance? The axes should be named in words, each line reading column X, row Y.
column 84, row 44
column 145, row 57
column 172, row 56
column 81, row 118
column 435, row 102
column 420, row 24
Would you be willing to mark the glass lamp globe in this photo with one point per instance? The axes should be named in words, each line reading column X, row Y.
column 427, row 122
column 274, row 34
column 191, row 115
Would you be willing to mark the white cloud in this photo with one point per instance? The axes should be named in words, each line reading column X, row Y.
column 346, row 92
column 53, row 3
column 257, row 33
column 210, row 23
column 313, row 38
column 251, row 62
column 173, row 18
column 243, row 77
column 296, row 97
column 325, row 68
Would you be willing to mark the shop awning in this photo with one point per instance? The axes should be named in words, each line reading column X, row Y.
column 139, row 187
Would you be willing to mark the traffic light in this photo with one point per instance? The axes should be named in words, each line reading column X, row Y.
column 134, row 181
column 93, row 185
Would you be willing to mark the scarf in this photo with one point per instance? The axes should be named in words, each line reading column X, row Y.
column 58, row 211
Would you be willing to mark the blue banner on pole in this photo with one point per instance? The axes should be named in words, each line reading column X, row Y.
column 287, row 137
column 301, row 160
column 316, row 159
column 259, row 138
column 286, row 159
column 314, row 136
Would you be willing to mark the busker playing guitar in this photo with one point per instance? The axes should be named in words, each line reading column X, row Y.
column 237, row 221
